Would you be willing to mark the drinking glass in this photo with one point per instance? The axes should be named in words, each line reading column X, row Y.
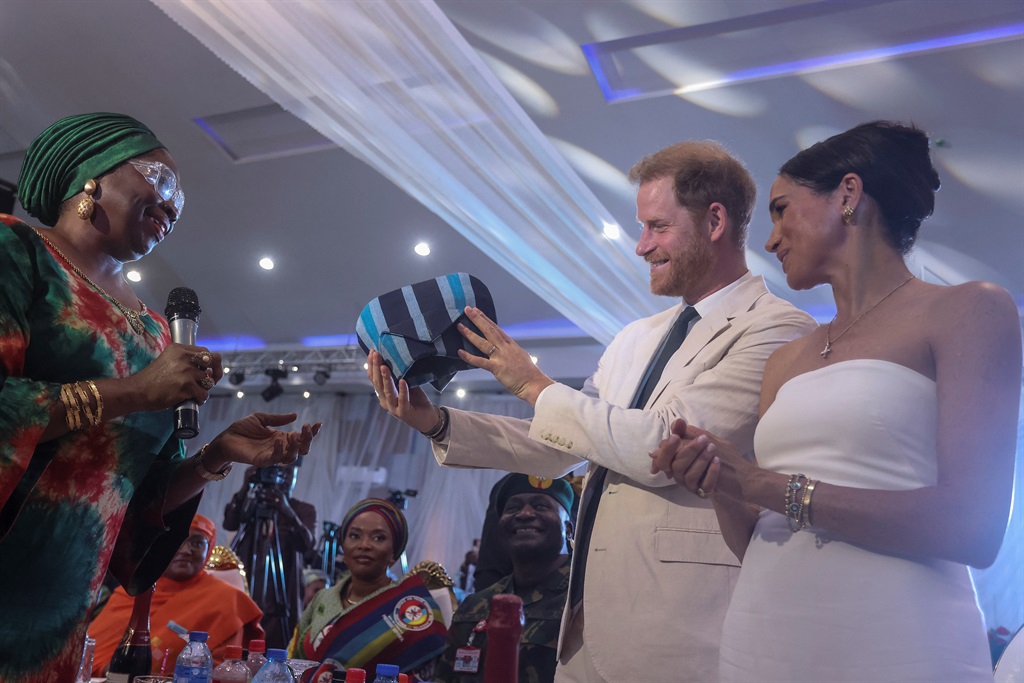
column 85, row 667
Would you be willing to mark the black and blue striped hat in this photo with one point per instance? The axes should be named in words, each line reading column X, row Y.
column 414, row 328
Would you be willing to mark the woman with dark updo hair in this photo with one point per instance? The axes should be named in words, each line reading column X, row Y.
column 884, row 454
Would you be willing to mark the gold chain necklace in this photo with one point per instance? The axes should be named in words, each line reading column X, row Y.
column 829, row 341
column 134, row 317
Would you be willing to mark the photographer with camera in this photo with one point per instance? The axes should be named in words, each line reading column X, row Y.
column 275, row 539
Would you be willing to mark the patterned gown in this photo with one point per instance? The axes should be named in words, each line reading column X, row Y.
column 63, row 503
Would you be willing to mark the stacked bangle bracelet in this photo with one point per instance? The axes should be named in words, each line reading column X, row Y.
column 81, row 408
column 441, row 428
column 798, row 502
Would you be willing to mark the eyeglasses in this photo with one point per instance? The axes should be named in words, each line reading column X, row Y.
column 162, row 178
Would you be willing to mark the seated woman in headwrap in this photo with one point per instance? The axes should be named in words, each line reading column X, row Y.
column 90, row 472
column 187, row 595
column 367, row 618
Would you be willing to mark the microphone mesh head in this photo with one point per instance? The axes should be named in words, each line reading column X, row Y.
column 182, row 302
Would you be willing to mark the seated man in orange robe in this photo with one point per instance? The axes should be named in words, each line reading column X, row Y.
column 191, row 598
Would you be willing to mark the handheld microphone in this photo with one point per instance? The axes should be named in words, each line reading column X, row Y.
column 182, row 315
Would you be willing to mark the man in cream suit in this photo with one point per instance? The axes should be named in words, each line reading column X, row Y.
column 658, row 573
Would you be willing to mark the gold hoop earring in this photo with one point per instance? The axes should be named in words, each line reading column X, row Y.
column 87, row 205
column 847, row 214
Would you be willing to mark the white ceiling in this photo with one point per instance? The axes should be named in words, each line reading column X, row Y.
column 341, row 234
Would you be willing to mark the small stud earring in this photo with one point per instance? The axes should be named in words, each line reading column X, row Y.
column 847, row 214
column 87, row 205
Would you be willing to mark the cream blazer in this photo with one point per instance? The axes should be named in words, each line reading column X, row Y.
column 659, row 574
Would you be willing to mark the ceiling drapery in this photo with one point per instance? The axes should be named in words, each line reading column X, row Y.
column 396, row 85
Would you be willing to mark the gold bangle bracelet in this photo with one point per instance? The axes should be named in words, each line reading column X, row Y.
column 99, row 400
column 86, row 405
column 72, row 411
column 805, row 516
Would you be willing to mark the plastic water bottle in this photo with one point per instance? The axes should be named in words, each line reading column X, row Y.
column 256, row 658
column 232, row 669
column 386, row 673
column 195, row 663
column 275, row 670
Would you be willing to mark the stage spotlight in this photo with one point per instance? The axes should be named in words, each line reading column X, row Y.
column 321, row 377
column 274, row 390
column 237, row 377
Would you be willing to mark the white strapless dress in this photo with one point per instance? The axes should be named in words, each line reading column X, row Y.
column 810, row 606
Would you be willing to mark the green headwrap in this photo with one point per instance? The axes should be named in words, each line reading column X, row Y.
column 68, row 153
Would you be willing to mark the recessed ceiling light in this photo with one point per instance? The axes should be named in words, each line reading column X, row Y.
column 366, row 366
column 240, row 394
column 267, row 263
column 423, row 249
column 611, row 231
column 461, row 393
column 295, row 368
column 305, row 394
column 134, row 276
column 533, row 358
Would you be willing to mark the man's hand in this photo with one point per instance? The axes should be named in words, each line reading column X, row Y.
column 506, row 360
column 410, row 405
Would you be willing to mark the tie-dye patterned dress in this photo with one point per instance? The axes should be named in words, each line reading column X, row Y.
column 71, row 506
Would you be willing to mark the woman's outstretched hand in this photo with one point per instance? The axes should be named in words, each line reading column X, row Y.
column 254, row 441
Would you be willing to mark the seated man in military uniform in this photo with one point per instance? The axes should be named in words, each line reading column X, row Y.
column 534, row 524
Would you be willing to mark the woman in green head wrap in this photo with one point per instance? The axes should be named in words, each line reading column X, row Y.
column 91, row 475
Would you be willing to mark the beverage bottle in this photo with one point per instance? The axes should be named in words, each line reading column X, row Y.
column 256, row 658
column 275, row 670
column 355, row 676
column 386, row 673
column 133, row 657
column 232, row 669
column 195, row 663
column 504, row 628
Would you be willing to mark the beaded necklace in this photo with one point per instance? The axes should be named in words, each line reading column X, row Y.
column 134, row 317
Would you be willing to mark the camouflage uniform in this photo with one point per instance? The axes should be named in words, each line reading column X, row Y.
column 539, row 643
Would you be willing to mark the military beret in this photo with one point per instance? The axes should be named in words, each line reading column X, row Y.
column 559, row 489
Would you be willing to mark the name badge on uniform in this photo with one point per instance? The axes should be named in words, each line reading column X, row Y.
column 467, row 660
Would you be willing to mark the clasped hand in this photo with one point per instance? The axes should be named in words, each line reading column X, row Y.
column 697, row 460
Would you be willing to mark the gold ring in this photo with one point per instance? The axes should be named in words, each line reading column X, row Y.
column 701, row 492
column 207, row 383
column 206, row 358
column 494, row 347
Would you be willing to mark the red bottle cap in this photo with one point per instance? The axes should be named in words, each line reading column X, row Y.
column 506, row 611
column 257, row 646
column 355, row 676
column 233, row 652
column 403, row 678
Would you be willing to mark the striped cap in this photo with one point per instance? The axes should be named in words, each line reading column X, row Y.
column 414, row 328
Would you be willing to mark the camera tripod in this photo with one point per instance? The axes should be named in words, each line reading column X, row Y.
column 266, row 565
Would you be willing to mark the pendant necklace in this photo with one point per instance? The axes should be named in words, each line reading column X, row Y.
column 134, row 317
column 829, row 341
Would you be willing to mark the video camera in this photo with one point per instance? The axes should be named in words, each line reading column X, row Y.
column 272, row 475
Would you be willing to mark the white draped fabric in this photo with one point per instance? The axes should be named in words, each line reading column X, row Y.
column 396, row 85
column 362, row 450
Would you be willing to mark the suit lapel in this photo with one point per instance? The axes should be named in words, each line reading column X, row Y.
column 708, row 328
